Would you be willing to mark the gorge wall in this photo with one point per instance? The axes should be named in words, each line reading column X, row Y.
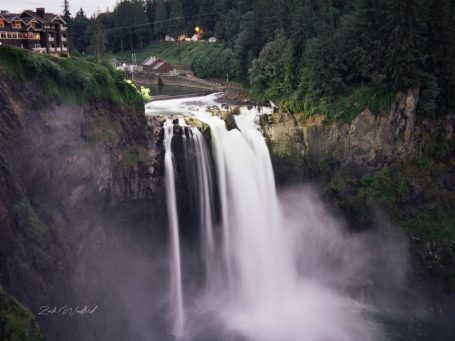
column 394, row 161
column 75, row 179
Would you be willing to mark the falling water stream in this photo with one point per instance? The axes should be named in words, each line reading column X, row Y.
column 176, row 274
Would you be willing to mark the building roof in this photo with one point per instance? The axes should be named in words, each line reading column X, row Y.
column 35, row 16
column 158, row 65
column 27, row 20
column 155, row 63
column 28, row 15
column 10, row 16
column 51, row 17
column 150, row 61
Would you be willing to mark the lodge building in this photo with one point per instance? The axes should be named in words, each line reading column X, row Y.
column 37, row 31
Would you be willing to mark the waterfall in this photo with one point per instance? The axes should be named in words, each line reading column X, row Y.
column 268, row 274
column 250, row 214
column 197, row 159
column 171, row 201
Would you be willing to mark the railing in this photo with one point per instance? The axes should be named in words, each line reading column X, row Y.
column 51, row 39
column 39, row 49
column 64, row 49
column 63, row 28
column 63, row 38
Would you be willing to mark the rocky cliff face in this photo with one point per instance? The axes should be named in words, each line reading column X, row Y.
column 369, row 141
column 66, row 173
column 392, row 161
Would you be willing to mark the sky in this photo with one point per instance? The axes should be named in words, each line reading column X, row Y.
column 55, row 6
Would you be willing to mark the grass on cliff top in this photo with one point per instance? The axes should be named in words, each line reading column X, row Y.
column 168, row 51
column 68, row 79
column 344, row 106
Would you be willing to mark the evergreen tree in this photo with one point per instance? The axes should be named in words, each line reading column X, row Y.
column 66, row 11
column 150, row 7
column 404, row 56
column 129, row 22
column 79, row 39
column 207, row 15
column 176, row 21
column 161, row 19
column 97, row 42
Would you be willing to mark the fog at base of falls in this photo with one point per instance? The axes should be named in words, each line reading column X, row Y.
column 283, row 267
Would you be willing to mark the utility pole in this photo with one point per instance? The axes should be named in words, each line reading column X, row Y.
column 180, row 56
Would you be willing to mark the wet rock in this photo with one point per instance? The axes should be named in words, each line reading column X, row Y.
column 235, row 109
column 228, row 117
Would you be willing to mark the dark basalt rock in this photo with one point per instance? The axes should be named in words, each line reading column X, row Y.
column 228, row 117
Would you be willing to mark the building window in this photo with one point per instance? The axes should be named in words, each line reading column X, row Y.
column 2, row 23
column 16, row 24
column 33, row 24
column 10, row 35
column 3, row 35
column 47, row 26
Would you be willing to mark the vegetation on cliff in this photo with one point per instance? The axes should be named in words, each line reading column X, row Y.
column 72, row 137
column 68, row 79
column 17, row 323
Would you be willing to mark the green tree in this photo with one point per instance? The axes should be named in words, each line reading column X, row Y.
column 97, row 42
column 130, row 25
column 160, row 19
column 266, row 72
column 404, row 54
column 150, row 8
column 176, row 23
column 66, row 11
column 79, row 39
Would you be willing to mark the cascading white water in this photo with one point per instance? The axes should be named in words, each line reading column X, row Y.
column 268, row 299
column 204, row 187
column 250, row 213
column 262, row 290
column 171, row 201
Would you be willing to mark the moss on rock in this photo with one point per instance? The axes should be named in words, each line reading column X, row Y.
column 17, row 323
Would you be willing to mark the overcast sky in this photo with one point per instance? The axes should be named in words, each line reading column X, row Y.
column 55, row 6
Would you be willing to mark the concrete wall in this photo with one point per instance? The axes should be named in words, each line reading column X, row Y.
column 154, row 79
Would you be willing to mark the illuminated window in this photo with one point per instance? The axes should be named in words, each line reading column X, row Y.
column 16, row 24
column 2, row 23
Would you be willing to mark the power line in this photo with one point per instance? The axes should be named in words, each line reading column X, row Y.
column 158, row 21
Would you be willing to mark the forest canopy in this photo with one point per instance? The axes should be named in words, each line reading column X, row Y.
column 300, row 53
